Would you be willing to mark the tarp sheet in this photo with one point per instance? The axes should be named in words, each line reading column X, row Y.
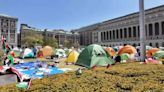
column 37, row 69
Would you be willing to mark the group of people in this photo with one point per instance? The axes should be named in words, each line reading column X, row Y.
column 8, row 57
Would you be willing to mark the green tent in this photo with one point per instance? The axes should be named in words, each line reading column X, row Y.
column 94, row 55
column 125, row 56
column 159, row 55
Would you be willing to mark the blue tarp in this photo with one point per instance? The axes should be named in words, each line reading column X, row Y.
column 37, row 69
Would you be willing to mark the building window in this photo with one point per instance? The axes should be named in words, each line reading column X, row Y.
column 104, row 36
column 150, row 44
column 129, row 31
column 150, row 29
column 134, row 31
column 120, row 33
column 162, row 44
column 138, row 31
column 113, row 34
column 163, row 27
column 125, row 33
column 101, row 36
column 110, row 33
column 156, row 28
column 117, row 37
column 146, row 29
column 157, row 45
column 107, row 35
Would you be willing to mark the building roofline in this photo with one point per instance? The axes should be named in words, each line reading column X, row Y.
column 130, row 14
column 7, row 16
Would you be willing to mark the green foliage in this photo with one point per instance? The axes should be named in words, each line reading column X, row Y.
column 68, row 43
column 32, row 39
column 129, row 77
column 51, row 42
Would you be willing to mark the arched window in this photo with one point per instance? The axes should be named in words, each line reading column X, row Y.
column 150, row 44
column 125, row 33
column 162, row 23
column 120, row 33
column 113, row 34
column 134, row 31
column 129, row 29
column 150, row 29
column 156, row 28
column 162, row 44
column 157, row 45
column 117, row 36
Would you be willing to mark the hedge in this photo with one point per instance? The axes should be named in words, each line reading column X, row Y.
column 128, row 77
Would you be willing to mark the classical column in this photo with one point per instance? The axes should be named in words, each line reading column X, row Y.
column 132, row 32
column 153, row 29
column 16, row 34
column 160, row 29
column 99, row 37
column 137, row 36
column 9, row 30
column 0, row 29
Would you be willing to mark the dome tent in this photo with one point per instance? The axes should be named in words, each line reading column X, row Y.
column 110, row 51
column 94, row 55
column 72, row 57
column 47, row 51
column 28, row 53
column 151, row 52
column 127, row 49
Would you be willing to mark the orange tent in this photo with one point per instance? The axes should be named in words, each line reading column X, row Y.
column 47, row 51
column 151, row 52
column 127, row 49
column 111, row 51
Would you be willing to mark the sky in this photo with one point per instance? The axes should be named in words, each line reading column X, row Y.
column 69, row 14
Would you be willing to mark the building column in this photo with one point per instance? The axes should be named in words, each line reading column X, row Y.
column 160, row 28
column 8, row 28
column 111, row 35
column 153, row 27
column 137, row 36
column 0, row 29
column 127, row 30
column 132, row 32
column 115, row 34
column 16, row 37
column 118, row 35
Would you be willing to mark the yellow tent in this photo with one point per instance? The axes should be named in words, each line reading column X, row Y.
column 72, row 57
column 47, row 51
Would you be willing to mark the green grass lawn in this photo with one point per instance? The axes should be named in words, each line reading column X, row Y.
column 127, row 77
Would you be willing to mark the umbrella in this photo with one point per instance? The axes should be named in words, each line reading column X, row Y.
column 151, row 52
column 127, row 49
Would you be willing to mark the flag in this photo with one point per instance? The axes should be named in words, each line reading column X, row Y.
column 11, row 58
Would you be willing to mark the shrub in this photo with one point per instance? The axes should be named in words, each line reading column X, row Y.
column 129, row 77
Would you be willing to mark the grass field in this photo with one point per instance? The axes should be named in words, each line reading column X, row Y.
column 127, row 77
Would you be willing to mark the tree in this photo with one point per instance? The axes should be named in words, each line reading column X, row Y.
column 32, row 39
column 50, row 41
column 68, row 43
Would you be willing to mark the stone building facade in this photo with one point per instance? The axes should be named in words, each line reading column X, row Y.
column 125, row 30
column 8, row 29
column 70, row 36
column 58, row 34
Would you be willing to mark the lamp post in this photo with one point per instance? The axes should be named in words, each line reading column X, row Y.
column 142, row 29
